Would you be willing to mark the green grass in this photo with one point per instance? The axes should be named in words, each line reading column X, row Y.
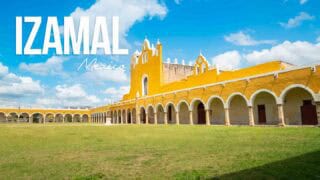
column 158, row 152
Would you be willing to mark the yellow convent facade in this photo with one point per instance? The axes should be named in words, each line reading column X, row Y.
column 273, row 93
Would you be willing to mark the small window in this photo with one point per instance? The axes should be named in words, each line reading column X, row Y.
column 145, row 86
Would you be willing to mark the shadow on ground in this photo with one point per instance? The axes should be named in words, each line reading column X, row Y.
column 306, row 166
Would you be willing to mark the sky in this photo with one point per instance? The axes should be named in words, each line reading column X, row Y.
column 230, row 34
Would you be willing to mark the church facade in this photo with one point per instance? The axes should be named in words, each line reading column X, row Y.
column 272, row 93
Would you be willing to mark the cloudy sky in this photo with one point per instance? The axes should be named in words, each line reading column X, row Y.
column 232, row 34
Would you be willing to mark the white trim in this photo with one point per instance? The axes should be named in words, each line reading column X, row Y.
column 148, row 106
column 215, row 97
column 197, row 99
column 157, row 106
column 254, row 95
column 237, row 94
column 167, row 106
column 287, row 89
column 183, row 101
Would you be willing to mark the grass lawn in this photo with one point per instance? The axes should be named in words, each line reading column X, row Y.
column 158, row 152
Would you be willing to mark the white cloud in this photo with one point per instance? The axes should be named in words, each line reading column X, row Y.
column 129, row 12
column 66, row 96
column 228, row 60
column 53, row 66
column 303, row 1
column 115, row 94
column 318, row 39
column 297, row 21
column 13, row 86
column 242, row 39
column 102, row 72
column 298, row 52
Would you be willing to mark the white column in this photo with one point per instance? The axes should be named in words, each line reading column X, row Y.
column 191, row 117
column 207, row 116
column 155, row 118
column 177, row 118
column 227, row 116
column 165, row 118
column 281, row 115
column 138, row 117
column 44, row 118
column 131, row 117
column 147, row 118
column 251, row 116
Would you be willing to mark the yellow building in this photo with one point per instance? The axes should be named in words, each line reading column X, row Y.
column 273, row 93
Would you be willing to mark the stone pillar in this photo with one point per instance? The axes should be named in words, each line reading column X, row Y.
column 62, row 118
column 147, row 118
column 190, row 117
column 281, row 115
column 30, row 119
column 251, row 116
column 207, row 116
column 165, row 118
column 138, row 118
column 318, row 112
column 177, row 118
column 155, row 118
column 227, row 116
column 131, row 117
column 44, row 118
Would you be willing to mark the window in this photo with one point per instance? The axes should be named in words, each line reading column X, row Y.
column 145, row 86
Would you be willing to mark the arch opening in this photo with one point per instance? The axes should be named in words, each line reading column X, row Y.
column 68, row 118
column 265, row 109
column 160, row 114
column 171, row 114
column 142, row 116
column 238, row 109
column 299, row 107
column 184, row 113
column 198, row 112
column 37, row 118
column 150, row 115
column 216, row 111
column 49, row 118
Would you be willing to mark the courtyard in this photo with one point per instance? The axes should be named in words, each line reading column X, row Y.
column 92, row 151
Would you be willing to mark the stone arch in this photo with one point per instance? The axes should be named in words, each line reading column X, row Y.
column 85, row 118
column 237, row 94
column 264, row 104
column 49, row 117
column 143, row 118
column 299, row 105
column 58, row 118
column 184, row 109
column 171, row 113
column 287, row 89
column 198, row 108
column 24, row 117
column 68, row 118
column 238, row 109
column 160, row 113
column 216, row 107
column 13, row 117
column 77, row 118
column 37, row 118
column 150, row 111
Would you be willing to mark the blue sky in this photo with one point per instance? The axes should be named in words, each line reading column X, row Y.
column 231, row 34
